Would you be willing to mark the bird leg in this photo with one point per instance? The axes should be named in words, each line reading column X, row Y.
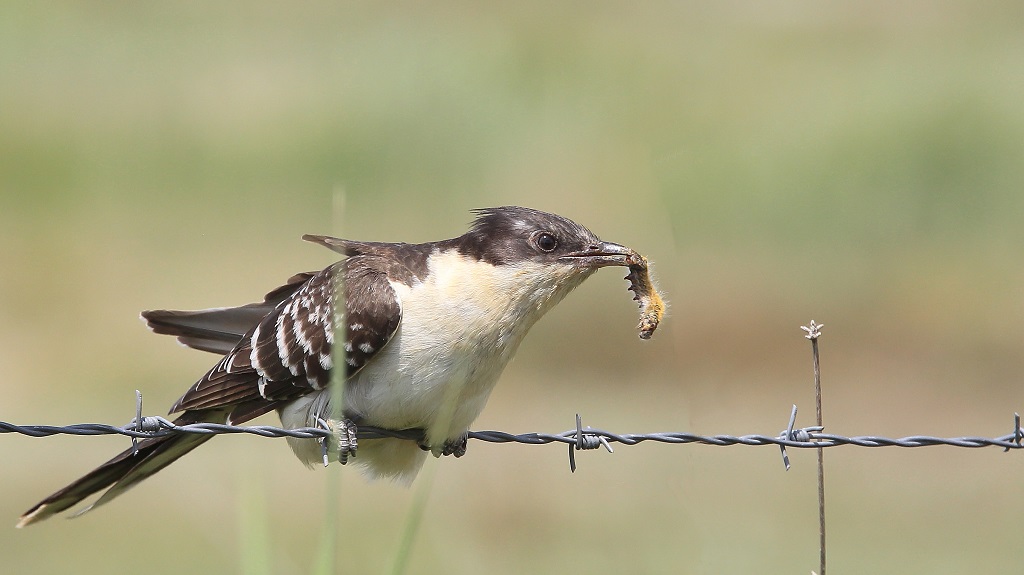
column 342, row 440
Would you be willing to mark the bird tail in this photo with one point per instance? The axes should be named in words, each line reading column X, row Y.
column 218, row 330
column 124, row 470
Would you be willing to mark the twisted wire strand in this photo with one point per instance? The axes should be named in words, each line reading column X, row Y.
column 810, row 437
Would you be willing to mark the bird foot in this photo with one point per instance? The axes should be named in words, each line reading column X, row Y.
column 456, row 447
column 342, row 442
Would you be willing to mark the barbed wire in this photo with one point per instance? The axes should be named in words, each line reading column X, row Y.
column 580, row 438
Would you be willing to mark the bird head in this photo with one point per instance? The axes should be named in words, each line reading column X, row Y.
column 511, row 235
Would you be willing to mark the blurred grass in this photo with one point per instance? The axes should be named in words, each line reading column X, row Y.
column 855, row 163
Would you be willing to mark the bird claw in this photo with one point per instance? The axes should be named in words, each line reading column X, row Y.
column 343, row 434
column 456, row 447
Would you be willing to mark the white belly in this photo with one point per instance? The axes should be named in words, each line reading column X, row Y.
column 439, row 368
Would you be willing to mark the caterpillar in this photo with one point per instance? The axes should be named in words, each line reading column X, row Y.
column 652, row 307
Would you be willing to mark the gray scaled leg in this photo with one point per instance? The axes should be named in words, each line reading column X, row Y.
column 342, row 440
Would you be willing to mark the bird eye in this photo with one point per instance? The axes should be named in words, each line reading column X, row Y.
column 546, row 242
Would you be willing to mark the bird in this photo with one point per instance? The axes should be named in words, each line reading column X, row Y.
column 427, row 330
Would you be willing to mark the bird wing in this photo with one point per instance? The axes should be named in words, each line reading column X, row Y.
column 289, row 352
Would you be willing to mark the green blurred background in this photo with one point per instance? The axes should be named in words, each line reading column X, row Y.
column 860, row 164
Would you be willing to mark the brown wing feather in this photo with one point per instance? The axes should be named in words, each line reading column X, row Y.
column 288, row 353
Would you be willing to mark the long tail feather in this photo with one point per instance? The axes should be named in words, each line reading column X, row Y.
column 123, row 471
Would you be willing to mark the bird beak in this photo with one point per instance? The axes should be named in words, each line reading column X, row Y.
column 601, row 255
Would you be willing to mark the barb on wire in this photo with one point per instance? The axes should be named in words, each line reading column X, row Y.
column 1017, row 434
column 583, row 440
column 788, row 434
column 138, row 421
column 803, row 435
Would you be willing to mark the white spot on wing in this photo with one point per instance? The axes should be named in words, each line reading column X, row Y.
column 252, row 354
column 299, row 328
column 282, row 340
